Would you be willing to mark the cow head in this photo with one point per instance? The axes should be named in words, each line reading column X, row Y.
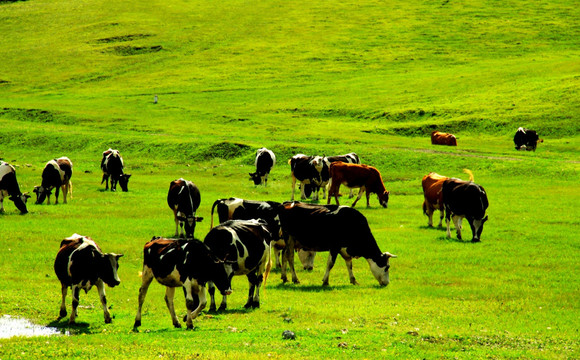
column 380, row 267
column 384, row 199
column 477, row 228
column 20, row 202
column 41, row 193
column 109, row 264
column 257, row 178
column 222, row 275
column 124, row 181
column 307, row 259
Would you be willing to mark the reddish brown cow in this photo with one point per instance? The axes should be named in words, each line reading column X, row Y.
column 441, row 138
column 365, row 177
column 432, row 185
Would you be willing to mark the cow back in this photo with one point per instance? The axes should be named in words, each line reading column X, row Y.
column 465, row 198
column 77, row 261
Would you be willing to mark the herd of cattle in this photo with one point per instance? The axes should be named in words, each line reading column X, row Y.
column 249, row 230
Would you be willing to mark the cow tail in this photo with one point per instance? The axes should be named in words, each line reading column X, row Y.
column 70, row 188
column 468, row 172
column 212, row 208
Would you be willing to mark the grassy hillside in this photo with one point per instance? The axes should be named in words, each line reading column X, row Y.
column 374, row 77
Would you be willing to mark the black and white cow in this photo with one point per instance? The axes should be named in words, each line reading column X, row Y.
column 312, row 173
column 56, row 174
column 245, row 244
column 80, row 264
column 9, row 187
column 465, row 199
column 240, row 209
column 184, row 199
column 112, row 165
column 336, row 229
column 182, row 263
column 265, row 161
column 526, row 139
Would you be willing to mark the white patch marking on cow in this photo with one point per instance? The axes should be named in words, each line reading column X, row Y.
column 241, row 260
column 233, row 205
column 171, row 280
column 379, row 272
column 6, row 168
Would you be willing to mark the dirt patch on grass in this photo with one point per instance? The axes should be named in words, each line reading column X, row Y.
column 123, row 38
column 126, row 50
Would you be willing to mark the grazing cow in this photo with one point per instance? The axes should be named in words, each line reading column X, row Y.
column 265, row 161
column 56, row 174
column 184, row 199
column 9, row 187
column 526, row 139
column 112, row 166
column 186, row 263
column 432, row 184
column 441, row 138
column 465, row 199
column 337, row 229
column 245, row 245
column 80, row 264
column 240, row 209
column 311, row 171
column 365, row 177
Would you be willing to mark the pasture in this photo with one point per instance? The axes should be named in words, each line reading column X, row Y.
column 78, row 77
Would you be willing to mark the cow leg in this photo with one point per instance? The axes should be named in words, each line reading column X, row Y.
column 333, row 190
column 105, row 180
column 329, row 265
column 1, row 202
column 211, row 291
column 368, row 199
column 64, row 290
column 429, row 212
column 288, row 257
column 293, row 187
column 348, row 261
column 64, row 192
column 113, row 183
column 255, row 281
column 169, row 296
column 457, row 222
column 147, row 278
column 56, row 191
column 101, row 288
column 441, row 214
column 176, row 222
column 360, row 193
column 75, row 303
column 194, row 306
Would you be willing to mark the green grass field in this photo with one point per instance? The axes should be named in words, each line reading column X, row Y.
column 373, row 77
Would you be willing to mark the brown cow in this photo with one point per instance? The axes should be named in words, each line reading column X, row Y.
column 357, row 176
column 441, row 138
column 432, row 185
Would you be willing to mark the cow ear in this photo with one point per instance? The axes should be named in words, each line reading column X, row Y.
column 119, row 255
column 485, row 218
column 389, row 255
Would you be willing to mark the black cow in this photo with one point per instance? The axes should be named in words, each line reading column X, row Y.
column 186, row 263
column 465, row 199
column 337, row 229
column 56, row 174
column 184, row 199
column 240, row 209
column 9, row 187
column 265, row 161
column 246, row 245
column 112, row 166
column 80, row 264
column 312, row 172
column 526, row 139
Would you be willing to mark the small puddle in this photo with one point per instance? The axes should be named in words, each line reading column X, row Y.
column 13, row 326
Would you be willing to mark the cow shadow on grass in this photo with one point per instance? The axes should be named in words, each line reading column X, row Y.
column 309, row 288
column 66, row 329
column 454, row 239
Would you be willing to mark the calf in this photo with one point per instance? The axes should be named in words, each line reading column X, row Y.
column 9, row 187
column 465, row 199
column 184, row 199
column 526, row 139
column 433, row 197
column 336, row 229
column 240, row 209
column 441, row 138
column 80, row 264
column 265, row 161
column 56, row 174
column 112, row 166
column 311, row 171
column 186, row 263
column 367, row 178
column 244, row 244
